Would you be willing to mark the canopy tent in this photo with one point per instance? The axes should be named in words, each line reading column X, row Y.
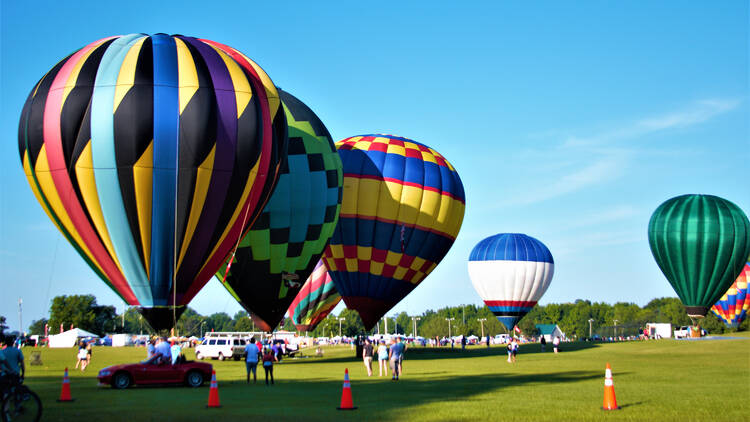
column 550, row 331
column 69, row 338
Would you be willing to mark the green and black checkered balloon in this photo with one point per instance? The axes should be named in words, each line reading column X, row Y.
column 290, row 234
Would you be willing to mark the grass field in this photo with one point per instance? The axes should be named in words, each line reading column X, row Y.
column 664, row 380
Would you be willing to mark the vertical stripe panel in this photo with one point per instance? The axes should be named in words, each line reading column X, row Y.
column 105, row 167
column 166, row 129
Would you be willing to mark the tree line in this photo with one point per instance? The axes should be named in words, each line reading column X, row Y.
column 577, row 320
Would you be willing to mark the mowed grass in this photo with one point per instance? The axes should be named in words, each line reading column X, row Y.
column 664, row 380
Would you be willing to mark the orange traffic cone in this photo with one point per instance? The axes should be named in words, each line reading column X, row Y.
column 610, row 402
column 213, row 393
column 346, row 394
column 65, row 392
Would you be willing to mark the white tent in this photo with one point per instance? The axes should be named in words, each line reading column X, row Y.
column 69, row 338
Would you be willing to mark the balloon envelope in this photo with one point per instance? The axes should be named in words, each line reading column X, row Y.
column 510, row 272
column 283, row 246
column 315, row 300
column 151, row 154
column 700, row 242
column 733, row 306
column 402, row 208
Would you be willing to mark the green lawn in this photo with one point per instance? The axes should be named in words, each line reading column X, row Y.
column 655, row 380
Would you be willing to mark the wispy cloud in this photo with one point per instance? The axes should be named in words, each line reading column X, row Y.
column 579, row 162
column 605, row 169
column 604, row 216
column 692, row 114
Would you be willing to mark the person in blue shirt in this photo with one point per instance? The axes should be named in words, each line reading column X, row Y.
column 394, row 355
column 12, row 359
column 276, row 349
column 163, row 349
column 251, row 359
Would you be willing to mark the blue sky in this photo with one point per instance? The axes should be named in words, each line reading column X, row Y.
column 570, row 122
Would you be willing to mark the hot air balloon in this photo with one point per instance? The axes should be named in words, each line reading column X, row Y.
column 402, row 208
column 700, row 242
column 511, row 272
column 733, row 306
column 151, row 154
column 285, row 243
column 315, row 300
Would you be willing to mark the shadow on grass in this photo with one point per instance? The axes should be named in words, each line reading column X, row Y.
column 289, row 399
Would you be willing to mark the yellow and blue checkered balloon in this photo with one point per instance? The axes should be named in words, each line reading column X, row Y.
column 402, row 208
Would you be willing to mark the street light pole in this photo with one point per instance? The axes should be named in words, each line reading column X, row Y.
column 481, row 321
column 449, row 326
column 415, row 319
column 202, row 322
column 591, row 321
column 615, row 328
column 340, row 319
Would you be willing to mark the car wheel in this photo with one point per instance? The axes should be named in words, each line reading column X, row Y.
column 221, row 356
column 121, row 380
column 194, row 379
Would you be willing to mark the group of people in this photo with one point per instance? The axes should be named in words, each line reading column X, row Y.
column 394, row 355
column 161, row 351
column 256, row 353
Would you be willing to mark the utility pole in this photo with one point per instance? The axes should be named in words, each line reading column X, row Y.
column 340, row 319
column 20, row 316
column 449, row 326
column 124, row 308
column 463, row 313
column 481, row 321
column 414, row 320
column 591, row 321
column 385, row 318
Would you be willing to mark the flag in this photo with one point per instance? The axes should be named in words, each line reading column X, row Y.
column 516, row 329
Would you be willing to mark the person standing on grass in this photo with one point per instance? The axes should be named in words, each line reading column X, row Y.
column 367, row 356
column 89, row 349
column 382, row 359
column 82, row 356
column 556, row 343
column 394, row 354
column 402, row 352
column 463, row 343
column 251, row 359
column 543, row 341
column 268, row 359
column 509, row 346
column 514, row 349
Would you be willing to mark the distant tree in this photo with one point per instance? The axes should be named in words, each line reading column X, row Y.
column 288, row 325
column 3, row 326
column 81, row 311
column 352, row 326
column 244, row 324
column 37, row 326
column 403, row 323
column 219, row 321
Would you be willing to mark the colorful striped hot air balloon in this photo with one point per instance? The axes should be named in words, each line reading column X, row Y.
column 700, row 242
column 511, row 272
column 402, row 208
column 733, row 306
column 315, row 300
column 152, row 154
column 285, row 243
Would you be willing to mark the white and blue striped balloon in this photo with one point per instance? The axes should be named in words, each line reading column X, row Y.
column 511, row 272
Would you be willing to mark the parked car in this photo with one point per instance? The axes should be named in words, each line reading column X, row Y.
column 221, row 347
column 192, row 374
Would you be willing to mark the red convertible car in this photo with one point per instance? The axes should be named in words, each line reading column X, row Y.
column 193, row 374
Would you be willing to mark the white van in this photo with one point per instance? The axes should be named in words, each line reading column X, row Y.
column 221, row 346
column 501, row 338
